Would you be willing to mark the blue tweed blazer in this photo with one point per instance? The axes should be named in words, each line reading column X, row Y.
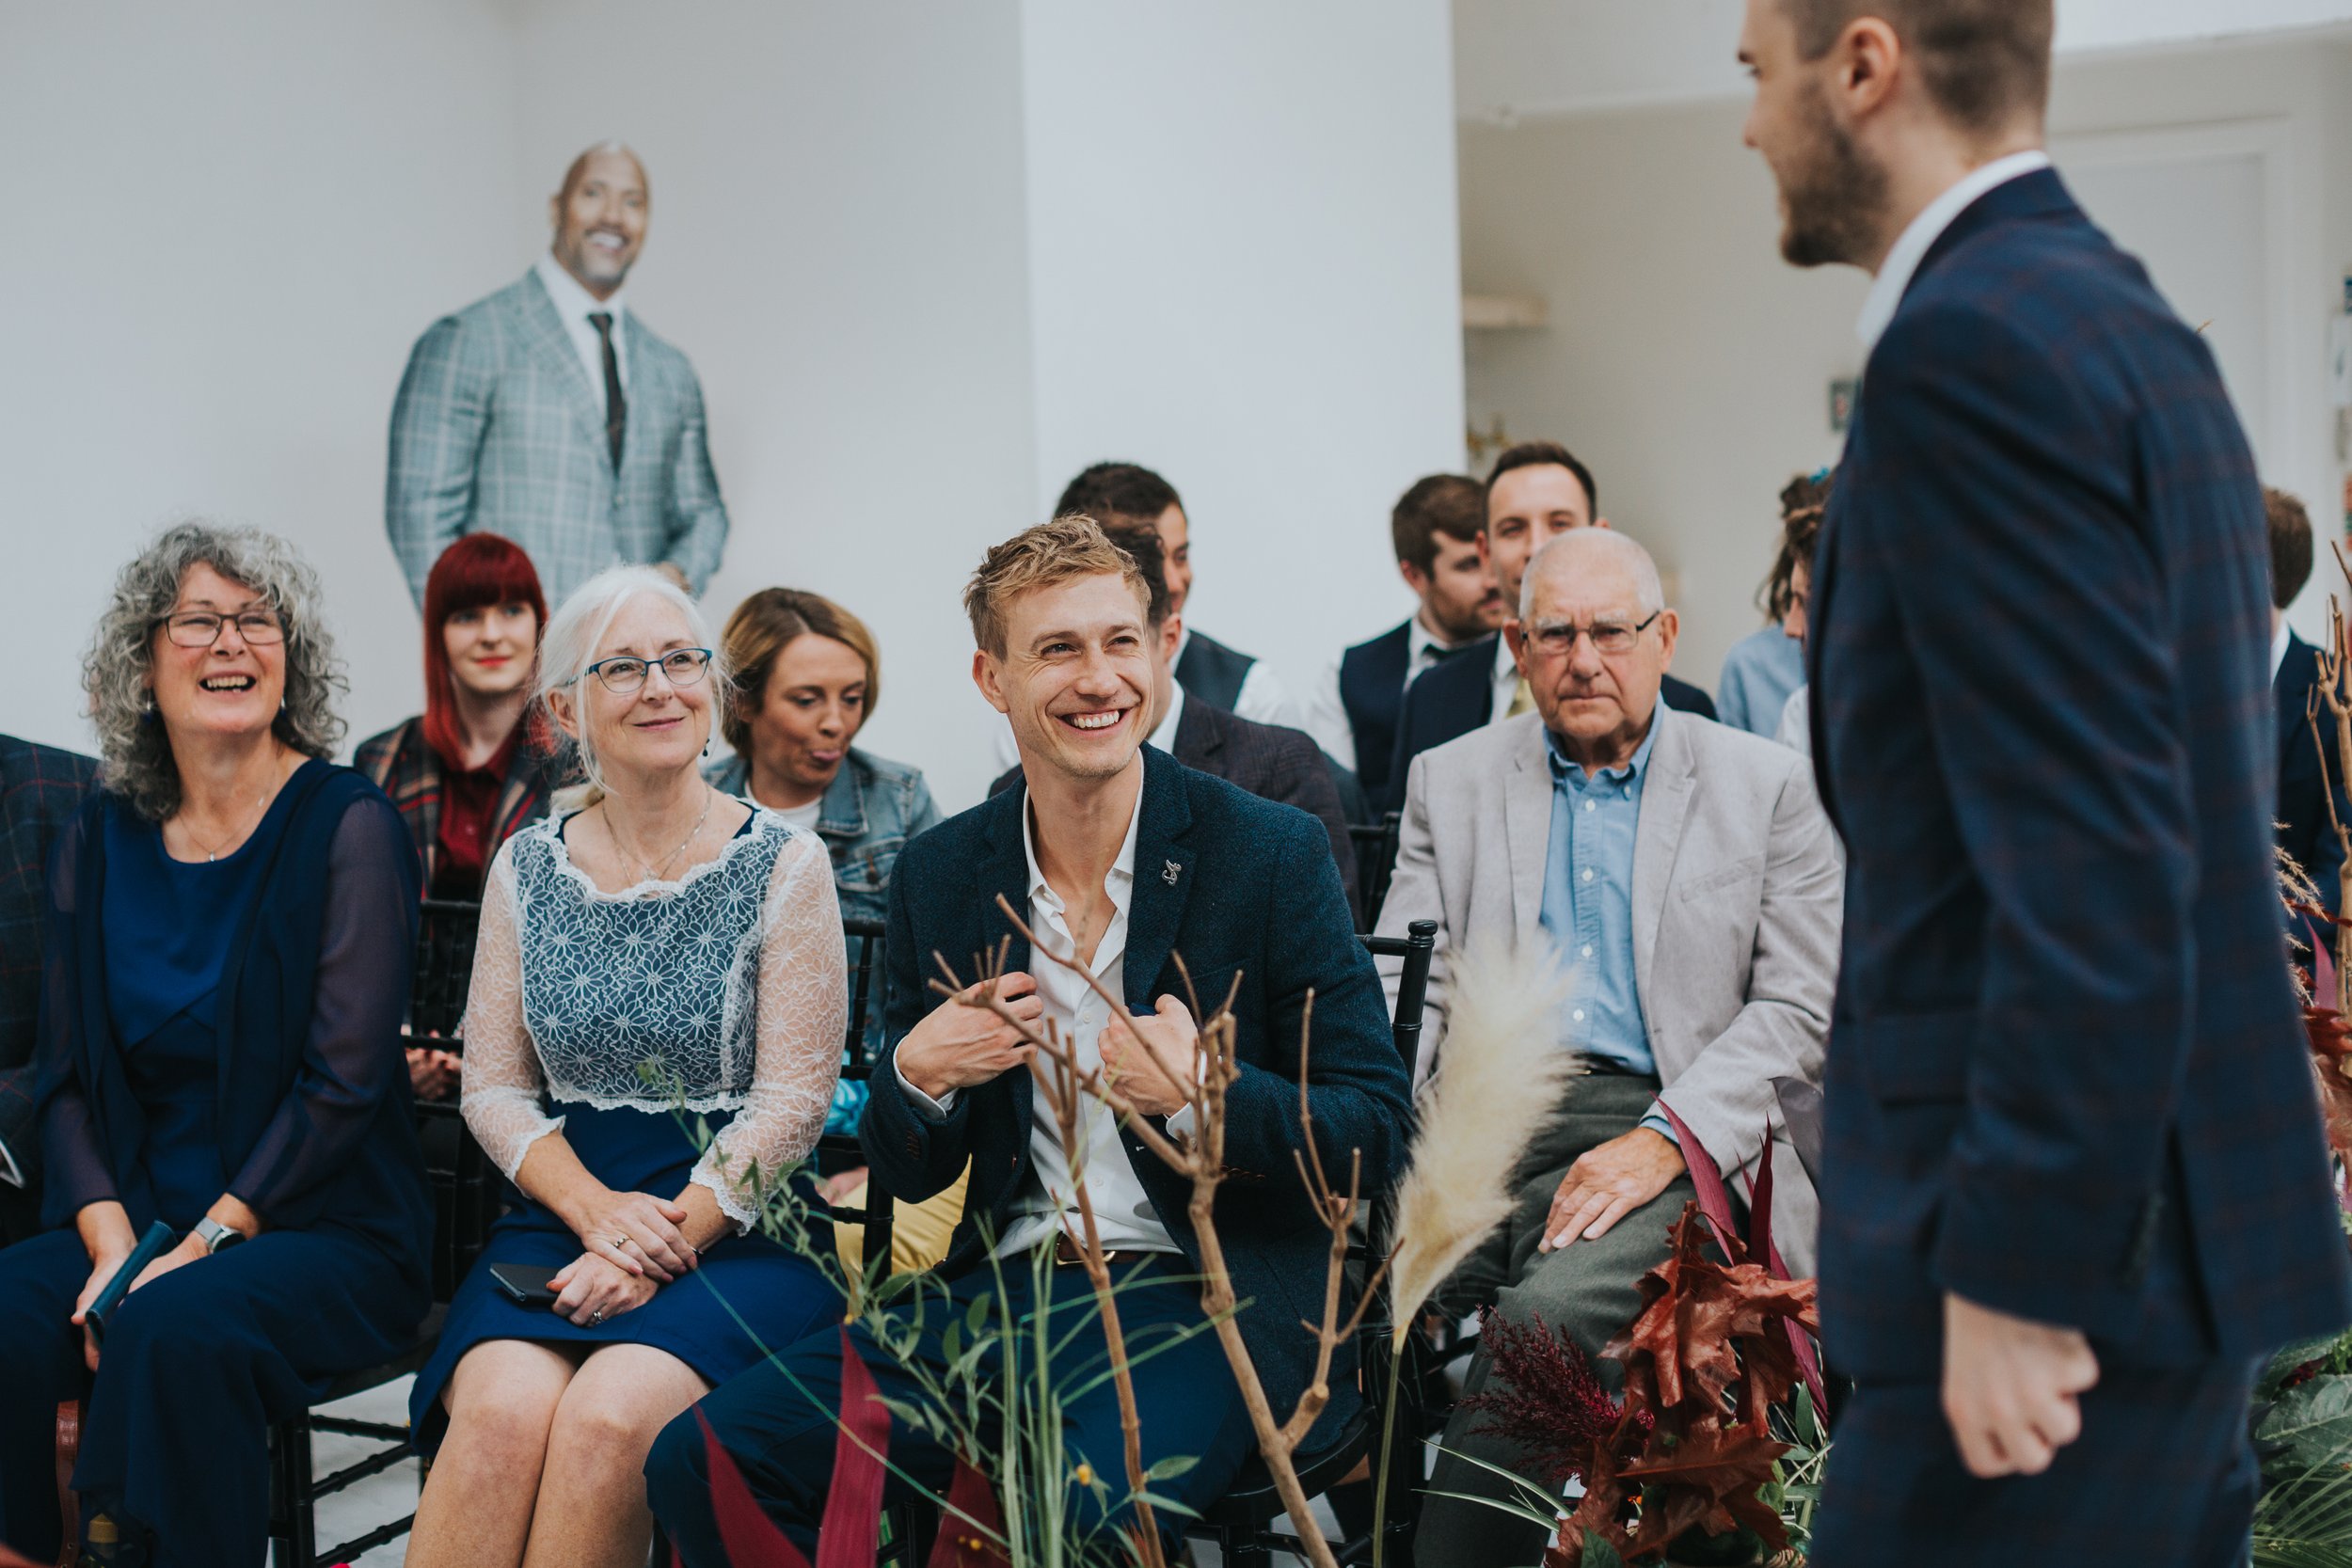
column 1254, row 893
column 497, row 430
column 2066, row 1078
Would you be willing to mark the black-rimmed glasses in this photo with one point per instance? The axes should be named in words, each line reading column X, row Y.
column 624, row 674
column 201, row 629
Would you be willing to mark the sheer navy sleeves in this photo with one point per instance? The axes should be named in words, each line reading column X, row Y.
column 74, row 1172
column 351, row 1061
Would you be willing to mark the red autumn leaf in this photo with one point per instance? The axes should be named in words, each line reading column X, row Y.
column 750, row 1537
column 852, row 1534
column 970, row 1520
column 1709, row 1478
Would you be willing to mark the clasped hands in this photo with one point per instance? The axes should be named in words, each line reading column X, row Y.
column 1153, row 1061
column 634, row 1247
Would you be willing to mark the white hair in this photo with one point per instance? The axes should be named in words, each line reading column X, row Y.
column 1649, row 593
column 578, row 628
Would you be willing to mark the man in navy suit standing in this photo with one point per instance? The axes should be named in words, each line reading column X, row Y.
column 2075, row 1184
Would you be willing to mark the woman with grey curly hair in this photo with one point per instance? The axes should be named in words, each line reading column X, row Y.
column 220, row 1056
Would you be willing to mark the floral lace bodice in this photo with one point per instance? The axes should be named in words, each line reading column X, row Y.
column 725, row 990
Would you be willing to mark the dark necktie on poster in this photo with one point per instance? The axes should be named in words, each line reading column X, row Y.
column 616, row 405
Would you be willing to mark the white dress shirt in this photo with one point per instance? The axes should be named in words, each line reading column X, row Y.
column 1164, row 733
column 1263, row 697
column 1125, row 1218
column 1902, row 261
column 1327, row 713
column 575, row 304
column 2278, row 637
column 1505, row 679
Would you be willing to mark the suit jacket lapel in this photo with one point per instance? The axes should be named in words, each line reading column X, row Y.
column 1665, row 802
column 1527, row 831
column 548, row 339
column 1005, row 873
column 1163, row 877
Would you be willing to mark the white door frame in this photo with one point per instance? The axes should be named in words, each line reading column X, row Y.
column 2293, row 402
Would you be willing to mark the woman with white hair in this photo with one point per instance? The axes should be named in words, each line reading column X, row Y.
column 660, row 955
column 230, row 920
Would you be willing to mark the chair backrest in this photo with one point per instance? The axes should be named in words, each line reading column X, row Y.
column 446, row 929
column 863, row 941
column 1418, row 947
column 1376, row 860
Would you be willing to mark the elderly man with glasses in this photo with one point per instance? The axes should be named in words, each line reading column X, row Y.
column 1686, row 880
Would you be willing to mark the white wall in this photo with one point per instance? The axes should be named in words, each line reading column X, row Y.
column 225, row 226
column 1243, row 264
column 928, row 260
column 1690, row 367
column 1520, row 57
column 837, row 242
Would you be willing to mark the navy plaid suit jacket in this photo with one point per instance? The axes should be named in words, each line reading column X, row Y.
column 2066, row 1078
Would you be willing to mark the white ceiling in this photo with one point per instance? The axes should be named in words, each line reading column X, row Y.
column 1514, row 57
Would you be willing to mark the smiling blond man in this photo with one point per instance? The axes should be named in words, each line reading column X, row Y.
column 550, row 413
column 1120, row 860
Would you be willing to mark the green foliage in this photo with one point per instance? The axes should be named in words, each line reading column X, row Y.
column 2303, row 1434
column 995, row 1401
column 1798, row 1475
column 1598, row 1553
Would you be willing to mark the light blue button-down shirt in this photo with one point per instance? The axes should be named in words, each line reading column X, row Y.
column 1588, row 906
column 1588, row 903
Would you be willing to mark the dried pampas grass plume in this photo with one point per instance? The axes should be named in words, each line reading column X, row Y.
column 1500, row 1074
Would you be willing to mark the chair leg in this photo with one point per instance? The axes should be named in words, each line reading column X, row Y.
column 297, row 1546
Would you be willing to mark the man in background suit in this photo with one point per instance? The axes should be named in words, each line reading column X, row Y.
column 1686, row 880
column 40, row 789
column 1537, row 490
column 549, row 413
column 1434, row 530
column 2309, row 769
column 1121, row 860
column 1218, row 675
column 1268, row 761
column 2075, row 1186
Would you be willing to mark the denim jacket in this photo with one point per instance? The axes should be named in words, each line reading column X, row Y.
column 871, row 810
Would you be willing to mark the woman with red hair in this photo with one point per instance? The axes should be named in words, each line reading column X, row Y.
column 473, row 766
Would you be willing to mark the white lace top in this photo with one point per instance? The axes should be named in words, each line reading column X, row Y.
column 726, row 988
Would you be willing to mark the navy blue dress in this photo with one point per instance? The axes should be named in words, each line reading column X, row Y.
column 229, row 1026
column 729, row 984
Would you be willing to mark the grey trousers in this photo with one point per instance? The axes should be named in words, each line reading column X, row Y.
column 1590, row 1289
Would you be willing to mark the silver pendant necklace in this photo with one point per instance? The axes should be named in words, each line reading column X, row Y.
column 657, row 874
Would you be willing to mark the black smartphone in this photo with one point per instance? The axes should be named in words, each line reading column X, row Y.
column 525, row 1284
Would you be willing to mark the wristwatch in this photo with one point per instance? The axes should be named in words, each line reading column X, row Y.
column 216, row 1236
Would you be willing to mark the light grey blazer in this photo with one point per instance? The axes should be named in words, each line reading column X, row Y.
column 497, row 430
column 1737, row 900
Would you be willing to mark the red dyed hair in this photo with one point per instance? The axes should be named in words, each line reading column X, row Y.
column 480, row 569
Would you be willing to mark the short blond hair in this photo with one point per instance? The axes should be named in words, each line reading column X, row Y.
column 1067, row 547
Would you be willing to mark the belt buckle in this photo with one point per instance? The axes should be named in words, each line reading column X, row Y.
column 1068, row 1255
